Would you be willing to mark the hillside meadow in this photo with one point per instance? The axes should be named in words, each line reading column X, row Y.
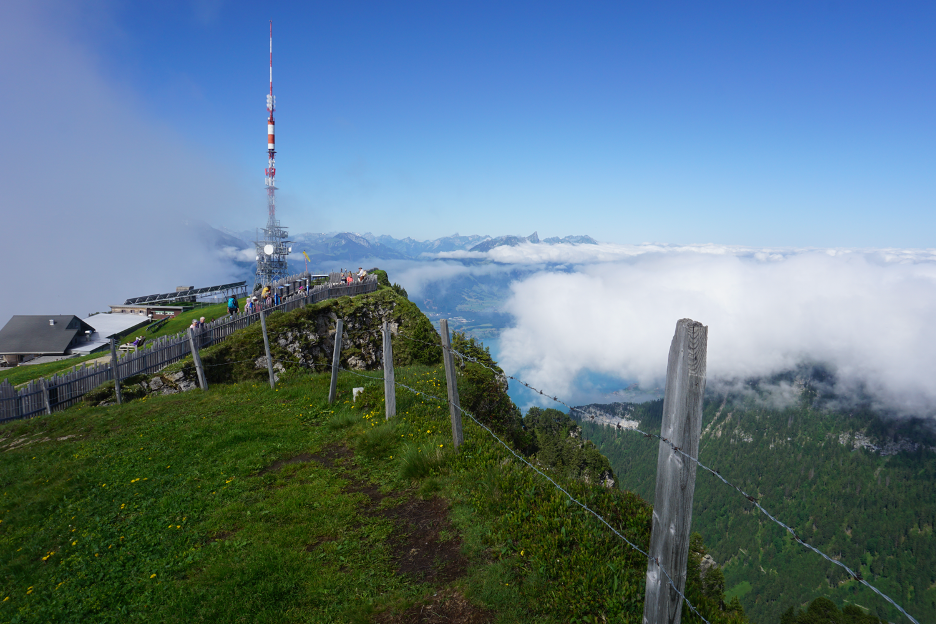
column 248, row 504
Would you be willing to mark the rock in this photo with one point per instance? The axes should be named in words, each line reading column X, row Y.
column 707, row 563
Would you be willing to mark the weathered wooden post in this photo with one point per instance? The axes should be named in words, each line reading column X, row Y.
column 336, row 359
column 266, row 346
column 113, row 346
column 675, row 485
column 451, row 384
column 45, row 395
column 202, row 381
column 389, row 382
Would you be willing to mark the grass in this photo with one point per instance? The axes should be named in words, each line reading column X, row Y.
column 21, row 374
column 181, row 323
column 225, row 506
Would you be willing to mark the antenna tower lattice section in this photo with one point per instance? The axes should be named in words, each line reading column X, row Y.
column 273, row 246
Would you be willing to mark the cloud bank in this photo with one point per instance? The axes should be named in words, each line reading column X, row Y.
column 97, row 194
column 866, row 313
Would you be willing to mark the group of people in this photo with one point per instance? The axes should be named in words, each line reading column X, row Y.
column 268, row 297
column 347, row 277
column 199, row 323
column 272, row 297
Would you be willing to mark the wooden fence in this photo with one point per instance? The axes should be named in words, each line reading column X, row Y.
column 44, row 396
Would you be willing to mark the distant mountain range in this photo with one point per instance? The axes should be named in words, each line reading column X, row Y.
column 352, row 246
column 473, row 303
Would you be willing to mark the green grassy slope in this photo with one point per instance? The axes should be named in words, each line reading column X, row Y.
column 241, row 504
column 246, row 504
column 876, row 513
column 21, row 374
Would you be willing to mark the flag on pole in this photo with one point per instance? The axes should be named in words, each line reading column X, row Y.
column 306, row 256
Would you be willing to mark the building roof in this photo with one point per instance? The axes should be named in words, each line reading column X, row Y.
column 34, row 334
column 107, row 325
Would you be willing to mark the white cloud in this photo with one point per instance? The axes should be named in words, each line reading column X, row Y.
column 541, row 253
column 868, row 313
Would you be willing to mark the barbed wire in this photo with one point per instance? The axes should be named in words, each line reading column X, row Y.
column 855, row 575
column 557, row 486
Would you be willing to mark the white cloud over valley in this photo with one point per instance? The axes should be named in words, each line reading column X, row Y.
column 866, row 313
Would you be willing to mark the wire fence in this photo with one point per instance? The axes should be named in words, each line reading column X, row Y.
column 753, row 500
column 62, row 390
column 548, row 478
column 44, row 396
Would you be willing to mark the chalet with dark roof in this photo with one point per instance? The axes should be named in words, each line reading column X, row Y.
column 32, row 335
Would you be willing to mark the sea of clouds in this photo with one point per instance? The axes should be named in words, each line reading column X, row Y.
column 608, row 309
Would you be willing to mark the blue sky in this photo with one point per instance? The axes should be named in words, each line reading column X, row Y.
column 797, row 123
column 725, row 131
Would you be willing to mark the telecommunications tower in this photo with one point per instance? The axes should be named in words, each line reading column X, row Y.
column 272, row 246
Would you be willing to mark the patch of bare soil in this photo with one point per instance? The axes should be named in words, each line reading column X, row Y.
column 447, row 606
column 313, row 545
column 298, row 459
column 368, row 489
column 331, row 455
column 327, row 458
column 426, row 546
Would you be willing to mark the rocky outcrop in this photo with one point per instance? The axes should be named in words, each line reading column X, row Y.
column 707, row 563
column 302, row 339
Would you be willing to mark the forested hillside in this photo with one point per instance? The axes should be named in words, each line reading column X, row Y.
column 856, row 485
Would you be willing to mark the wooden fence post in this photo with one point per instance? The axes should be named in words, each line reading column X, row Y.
column 451, row 384
column 336, row 359
column 266, row 346
column 197, row 359
column 45, row 395
column 113, row 346
column 389, row 384
column 675, row 484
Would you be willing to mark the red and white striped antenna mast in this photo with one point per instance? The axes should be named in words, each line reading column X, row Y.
column 271, row 139
column 272, row 247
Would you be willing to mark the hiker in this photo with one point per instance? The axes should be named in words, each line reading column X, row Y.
column 349, row 279
column 201, row 322
column 232, row 305
column 361, row 273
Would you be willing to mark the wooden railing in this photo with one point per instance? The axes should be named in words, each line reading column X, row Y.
column 44, row 396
